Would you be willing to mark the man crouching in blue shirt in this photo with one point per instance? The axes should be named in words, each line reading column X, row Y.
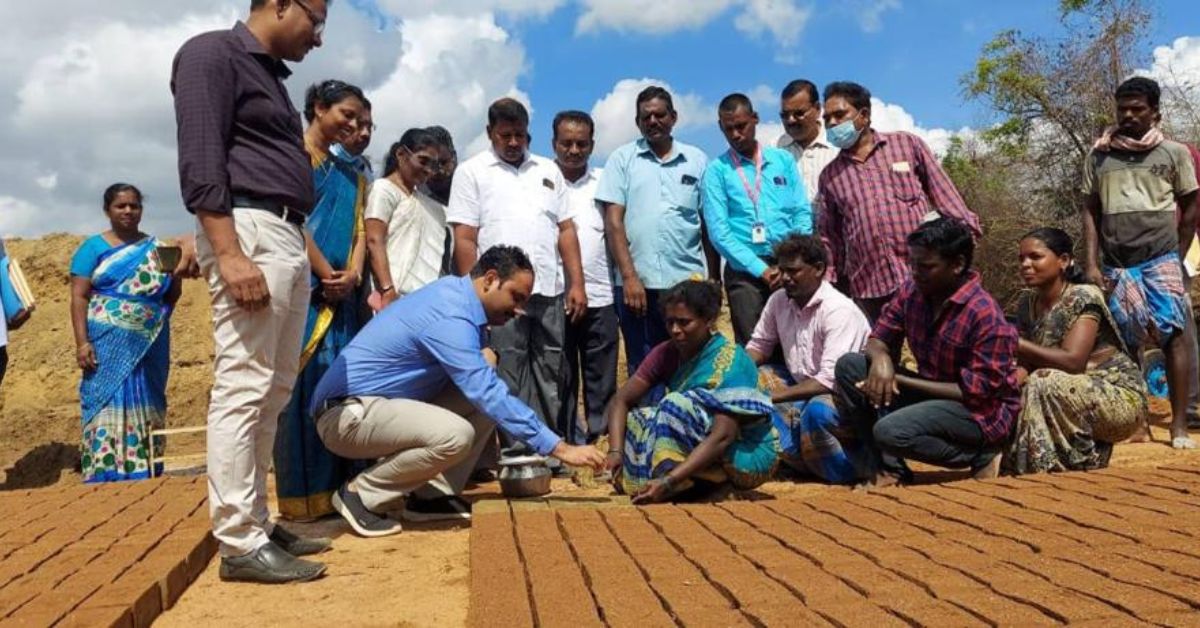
column 413, row 390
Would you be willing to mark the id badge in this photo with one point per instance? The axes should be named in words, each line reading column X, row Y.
column 758, row 233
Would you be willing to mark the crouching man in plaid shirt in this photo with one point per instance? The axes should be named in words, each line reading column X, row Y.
column 960, row 406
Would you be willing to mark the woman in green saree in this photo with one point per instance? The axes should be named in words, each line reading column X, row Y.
column 711, row 428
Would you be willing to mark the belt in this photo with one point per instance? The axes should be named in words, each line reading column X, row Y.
column 290, row 214
column 330, row 404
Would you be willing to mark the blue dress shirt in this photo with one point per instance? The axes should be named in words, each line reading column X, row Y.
column 662, row 209
column 783, row 207
column 417, row 345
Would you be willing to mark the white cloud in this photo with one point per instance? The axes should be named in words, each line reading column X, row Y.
column 47, row 182
column 892, row 117
column 615, row 112
column 769, row 132
column 783, row 19
column 662, row 16
column 869, row 13
column 406, row 9
column 450, row 69
column 1177, row 69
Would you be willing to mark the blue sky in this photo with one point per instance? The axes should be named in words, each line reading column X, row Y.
column 84, row 99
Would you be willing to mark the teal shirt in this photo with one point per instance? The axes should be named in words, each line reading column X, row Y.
column 783, row 207
column 662, row 209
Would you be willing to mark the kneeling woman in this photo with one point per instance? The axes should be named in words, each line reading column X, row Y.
column 712, row 426
column 1082, row 391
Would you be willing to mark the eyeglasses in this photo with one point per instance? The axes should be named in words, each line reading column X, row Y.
column 794, row 114
column 318, row 23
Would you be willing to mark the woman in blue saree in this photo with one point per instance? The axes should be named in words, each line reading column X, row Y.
column 121, row 302
column 306, row 473
column 713, row 426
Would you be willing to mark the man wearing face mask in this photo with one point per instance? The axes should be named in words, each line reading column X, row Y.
column 874, row 194
column 414, row 391
column 505, row 195
column 753, row 198
column 800, row 112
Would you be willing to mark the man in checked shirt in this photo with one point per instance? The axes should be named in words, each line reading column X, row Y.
column 873, row 195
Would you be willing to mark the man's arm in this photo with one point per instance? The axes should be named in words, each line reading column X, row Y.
column 466, row 248
column 464, row 213
column 1089, row 216
column 1187, row 223
column 940, row 190
column 803, row 219
column 829, row 227
column 568, row 249
column 715, row 205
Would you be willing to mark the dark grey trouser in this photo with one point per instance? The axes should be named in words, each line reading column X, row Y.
column 747, row 297
column 934, row 431
column 532, row 360
column 591, row 344
column 3, row 359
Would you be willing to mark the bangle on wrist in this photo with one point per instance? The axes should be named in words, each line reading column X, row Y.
column 387, row 289
column 614, row 452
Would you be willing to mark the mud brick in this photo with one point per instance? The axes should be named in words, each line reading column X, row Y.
column 99, row 617
column 1182, row 564
column 996, row 608
column 805, row 579
column 1147, row 576
column 520, row 505
column 710, row 617
column 857, row 613
column 17, row 595
column 499, row 594
column 560, row 595
column 1064, row 604
column 488, row 507
column 821, row 522
column 1190, row 619
column 870, row 520
column 930, row 612
column 48, row 608
column 933, row 522
column 785, row 615
column 1135, row 600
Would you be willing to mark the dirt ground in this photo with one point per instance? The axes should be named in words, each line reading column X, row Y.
column 418, row 578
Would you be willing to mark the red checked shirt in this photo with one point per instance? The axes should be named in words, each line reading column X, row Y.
column 970, row 344
column 869, row 207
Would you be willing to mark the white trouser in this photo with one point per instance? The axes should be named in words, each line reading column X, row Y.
column 256, row 364
column 430, row 446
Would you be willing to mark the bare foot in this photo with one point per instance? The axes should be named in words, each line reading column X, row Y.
column 990, row 471
column 884, row 480
column 1142, row 435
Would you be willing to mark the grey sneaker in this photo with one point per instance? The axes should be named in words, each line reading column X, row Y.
column 363, row 521
column 269, row 564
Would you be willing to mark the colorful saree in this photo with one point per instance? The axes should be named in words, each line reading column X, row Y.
column 306, row 473
column 721, row 379
column 124, row 397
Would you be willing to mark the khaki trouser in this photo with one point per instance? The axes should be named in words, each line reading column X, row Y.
column 257, row 360
column 431, row 446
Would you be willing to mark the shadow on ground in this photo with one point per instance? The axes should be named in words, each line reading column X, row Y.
column 41, row 466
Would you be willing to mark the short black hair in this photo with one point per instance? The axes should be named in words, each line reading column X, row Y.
column 735, row 101
column 443, row 136
column 572, row 115
column 701, row 296
column 655, row 92
column 858, row 96
column 258, row 4
column 506, row 260
column 507, row 110
column 328, row 93
column 1140, row 86
column 111, row 192
column 806, row 248
column 801, row 85
column 414, row 140
column 948, row 237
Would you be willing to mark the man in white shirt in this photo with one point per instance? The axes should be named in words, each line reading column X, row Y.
column 800, row 112
column 815, row 325
column 592, row 342
column 506, row 195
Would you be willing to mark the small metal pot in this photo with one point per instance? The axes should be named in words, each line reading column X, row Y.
column 524, row 476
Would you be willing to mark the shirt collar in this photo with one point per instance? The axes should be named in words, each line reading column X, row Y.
column 252, row 46
column 786, row 140
column 497, row 161
column 880, row 140
column 817, row 299
column 644, row 148
column 966, row 292
column 474, row 305
column 587, row 177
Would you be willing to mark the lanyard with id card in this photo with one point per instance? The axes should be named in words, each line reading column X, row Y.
column 758, row 230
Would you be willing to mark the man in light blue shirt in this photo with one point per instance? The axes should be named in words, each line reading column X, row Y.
column 651, row 191
column 753, row 199
column 414, row 391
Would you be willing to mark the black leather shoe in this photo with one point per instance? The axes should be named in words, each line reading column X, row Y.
column 298, row 546
column 269, row 564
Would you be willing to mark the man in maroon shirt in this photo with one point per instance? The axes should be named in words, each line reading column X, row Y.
column 873, row 194
column 960, row 406
column 244, row 173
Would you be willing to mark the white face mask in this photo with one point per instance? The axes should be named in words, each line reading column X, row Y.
column 844, row 135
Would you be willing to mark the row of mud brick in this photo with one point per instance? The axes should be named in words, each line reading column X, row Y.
column 1111, row 548
column 101, row 555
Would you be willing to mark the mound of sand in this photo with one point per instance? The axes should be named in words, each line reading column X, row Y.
column 39, row 399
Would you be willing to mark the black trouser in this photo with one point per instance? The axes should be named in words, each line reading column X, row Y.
column 3, row 360
column 591, row 343
column 934, row 431
column 747, row 297
column 530, row 353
